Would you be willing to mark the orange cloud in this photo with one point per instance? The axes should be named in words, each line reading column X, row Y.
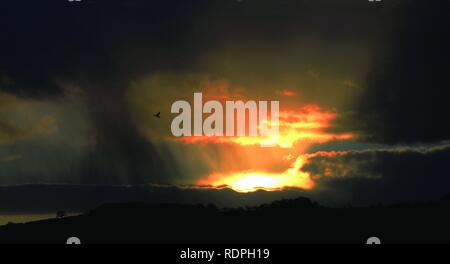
column 299, row 129
column 287, row 93
column 305, row 126
column 237, row 162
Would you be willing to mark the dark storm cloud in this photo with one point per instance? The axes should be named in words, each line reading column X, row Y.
column 100, row 46
column 97, row 46
column 109, row 41
column 98, row 42
column 401, row 174
column 407, row 93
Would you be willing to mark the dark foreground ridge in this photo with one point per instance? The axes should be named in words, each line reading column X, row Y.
column 286, row 221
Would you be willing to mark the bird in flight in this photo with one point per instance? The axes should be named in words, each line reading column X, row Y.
column 158, row 115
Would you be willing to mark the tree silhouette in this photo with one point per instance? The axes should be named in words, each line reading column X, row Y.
column 61, row 214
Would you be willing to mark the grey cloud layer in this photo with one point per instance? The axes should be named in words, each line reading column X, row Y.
column 400, row 174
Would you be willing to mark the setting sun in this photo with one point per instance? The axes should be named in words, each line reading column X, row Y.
column 250, row 181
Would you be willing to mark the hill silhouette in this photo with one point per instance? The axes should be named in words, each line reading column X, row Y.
column 25, row 199
column 285, row 221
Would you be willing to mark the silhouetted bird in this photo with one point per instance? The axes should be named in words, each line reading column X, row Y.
column 158, row 115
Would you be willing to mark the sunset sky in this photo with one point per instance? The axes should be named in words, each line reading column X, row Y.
column 363, row 92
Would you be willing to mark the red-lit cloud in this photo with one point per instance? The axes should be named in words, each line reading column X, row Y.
column 298, row 130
